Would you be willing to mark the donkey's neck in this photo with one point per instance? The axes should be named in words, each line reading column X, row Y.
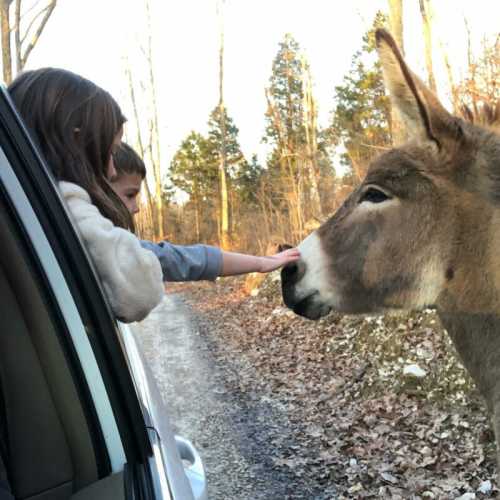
column 473, row 260
column 469, row 307
column 477, row 339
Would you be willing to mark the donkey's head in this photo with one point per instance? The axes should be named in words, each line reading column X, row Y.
column 420, row 223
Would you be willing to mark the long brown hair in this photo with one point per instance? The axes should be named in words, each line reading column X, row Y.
column 74, row 123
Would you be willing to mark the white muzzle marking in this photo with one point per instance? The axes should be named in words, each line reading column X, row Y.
column 317, row 274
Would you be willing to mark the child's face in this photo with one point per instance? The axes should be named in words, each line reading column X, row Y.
column 128, row 187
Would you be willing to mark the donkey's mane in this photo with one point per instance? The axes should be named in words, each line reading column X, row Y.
column 484, row 114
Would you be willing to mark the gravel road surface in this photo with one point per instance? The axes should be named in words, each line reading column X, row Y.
column 233, row 432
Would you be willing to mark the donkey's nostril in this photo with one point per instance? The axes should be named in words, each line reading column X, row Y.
column 291, row 269
column 292, row 272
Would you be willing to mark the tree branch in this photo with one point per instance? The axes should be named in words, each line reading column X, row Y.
column 6, row 50
column 48, row 11
column 33, row 20
column 17, row 33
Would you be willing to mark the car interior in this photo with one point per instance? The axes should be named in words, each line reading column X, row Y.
column 47, row 449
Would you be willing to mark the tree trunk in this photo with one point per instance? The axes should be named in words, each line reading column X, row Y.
column 6, row 50
column 197, row 218
column 451, row 82
column 427, row 20
column 155, row 135
column 469, row 43
column 310, row 127
column 224, row 214
column 288, row 179
column 261, row 199
column 396, row 24
column 17, row 35
column 140, row 142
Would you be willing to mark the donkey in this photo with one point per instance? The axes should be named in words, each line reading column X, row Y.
column 422, row 230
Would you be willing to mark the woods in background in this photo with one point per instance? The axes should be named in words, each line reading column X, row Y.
column 309, row 170
column 298, row 186
column 210, row 191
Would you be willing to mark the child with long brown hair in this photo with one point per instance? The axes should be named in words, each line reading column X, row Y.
column 78, row 127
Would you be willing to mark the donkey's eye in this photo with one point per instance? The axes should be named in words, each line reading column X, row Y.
column 373, row 195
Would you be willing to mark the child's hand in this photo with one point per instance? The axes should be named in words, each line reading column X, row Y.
column 272, row 262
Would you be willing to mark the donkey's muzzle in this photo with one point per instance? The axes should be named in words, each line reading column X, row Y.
column 303, row 304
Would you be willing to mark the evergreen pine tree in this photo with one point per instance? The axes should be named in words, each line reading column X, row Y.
column 360, row 126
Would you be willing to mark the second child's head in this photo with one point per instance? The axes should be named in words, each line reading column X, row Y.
column 78, row 127
column 130, row 172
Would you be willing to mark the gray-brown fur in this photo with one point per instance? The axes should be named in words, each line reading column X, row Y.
column 437, row 241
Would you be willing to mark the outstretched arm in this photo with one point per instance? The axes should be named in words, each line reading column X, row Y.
column 186, row 262
column 204, row 262
column 237, row 263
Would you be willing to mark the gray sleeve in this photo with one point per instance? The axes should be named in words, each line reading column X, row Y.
column 186, row 263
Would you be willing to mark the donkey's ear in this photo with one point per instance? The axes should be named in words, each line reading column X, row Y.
column 421, row 111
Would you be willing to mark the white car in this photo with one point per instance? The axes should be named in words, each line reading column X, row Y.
column 80, row 415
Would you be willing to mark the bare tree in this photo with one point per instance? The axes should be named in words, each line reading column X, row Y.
column 291, row 177
column 154, row 144
column 147, row 138
column 396, row 22
column 25, row 28
column 396, row 28
column 6, row 49
column 224, row 209
column 451, row 80
column 146, row 218
column 469, row 42
column 427, row 23
column 310, row 127
column 480, row 86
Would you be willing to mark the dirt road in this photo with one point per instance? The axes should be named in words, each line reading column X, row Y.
column 233, row 432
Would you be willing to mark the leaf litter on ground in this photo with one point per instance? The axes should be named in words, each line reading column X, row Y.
column 380, row 405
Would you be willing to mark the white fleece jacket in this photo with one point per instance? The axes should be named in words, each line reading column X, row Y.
column 131, row 275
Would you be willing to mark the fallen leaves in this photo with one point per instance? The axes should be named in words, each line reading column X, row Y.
column 379, row 406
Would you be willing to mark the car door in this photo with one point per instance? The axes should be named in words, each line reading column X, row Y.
column 91, row 440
